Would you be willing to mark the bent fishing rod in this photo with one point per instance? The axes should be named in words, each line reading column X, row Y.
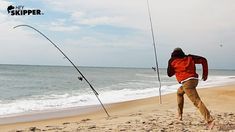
column 82, row 76
column 155, row 54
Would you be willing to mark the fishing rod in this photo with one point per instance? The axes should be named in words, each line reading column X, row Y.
column 155, row 54
column 82, row 76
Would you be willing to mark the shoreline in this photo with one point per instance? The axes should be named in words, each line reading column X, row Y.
column 47, row 114
column 75, row 111
column 70, row 112
column 124, row 111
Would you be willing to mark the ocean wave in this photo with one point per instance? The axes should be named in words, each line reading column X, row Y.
column 116, row 93
column 53, row 101
column 146, row 75
column 216, row 81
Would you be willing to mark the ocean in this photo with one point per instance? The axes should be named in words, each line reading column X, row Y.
column 26, row 88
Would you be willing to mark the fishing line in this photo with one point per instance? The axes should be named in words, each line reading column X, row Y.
column 82, row 76
column 155, row 54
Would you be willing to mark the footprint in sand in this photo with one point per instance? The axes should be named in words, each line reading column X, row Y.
column 84, row 120
column 92, row 127
column 33, row 129
column 128, row 122
column 135, row 114
column 66, row 123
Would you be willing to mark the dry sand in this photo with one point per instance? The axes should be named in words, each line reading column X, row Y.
column 145, row 115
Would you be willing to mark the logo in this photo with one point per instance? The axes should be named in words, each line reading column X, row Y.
column 21, row 11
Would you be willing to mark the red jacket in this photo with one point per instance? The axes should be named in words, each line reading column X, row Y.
column 184, row 68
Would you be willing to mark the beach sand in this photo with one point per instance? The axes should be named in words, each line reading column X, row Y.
column 145, row 115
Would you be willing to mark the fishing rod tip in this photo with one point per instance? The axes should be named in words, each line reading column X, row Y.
column 16, row 26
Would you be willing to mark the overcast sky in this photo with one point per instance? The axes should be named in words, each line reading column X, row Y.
column 117, row 32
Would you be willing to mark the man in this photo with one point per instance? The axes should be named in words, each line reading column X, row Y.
column 183, row 67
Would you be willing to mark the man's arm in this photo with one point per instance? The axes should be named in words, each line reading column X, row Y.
column 203, row 61
column 170, row 70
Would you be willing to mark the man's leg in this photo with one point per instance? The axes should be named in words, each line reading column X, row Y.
column 180, row 101
column 190, row 90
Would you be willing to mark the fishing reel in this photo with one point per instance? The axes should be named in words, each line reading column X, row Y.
column 80, row 78
column 154, row 68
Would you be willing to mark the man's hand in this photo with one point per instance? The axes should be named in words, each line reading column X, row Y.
column 204, row 78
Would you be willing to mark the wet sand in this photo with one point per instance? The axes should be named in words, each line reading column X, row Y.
column 144, row 115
